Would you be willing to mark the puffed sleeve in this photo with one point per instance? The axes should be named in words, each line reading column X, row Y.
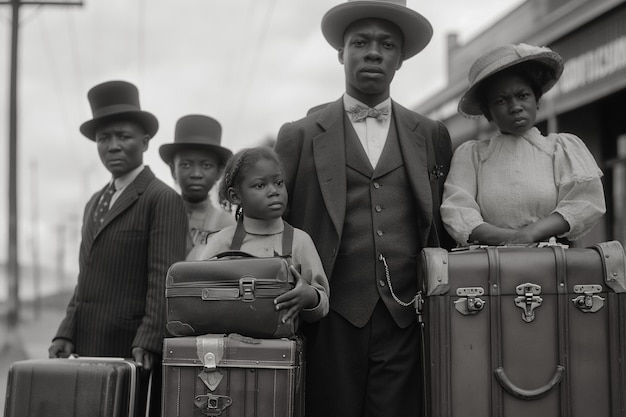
column 578, row 180
column 460, row 212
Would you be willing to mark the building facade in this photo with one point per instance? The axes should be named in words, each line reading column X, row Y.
column 589, row 100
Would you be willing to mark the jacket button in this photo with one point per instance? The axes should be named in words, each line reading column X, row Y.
column 379, row 232
column 381, row 283
column 378, row 209
column 376, row 185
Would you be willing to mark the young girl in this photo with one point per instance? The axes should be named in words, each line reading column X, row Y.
column 519, row 186
column 253, row 181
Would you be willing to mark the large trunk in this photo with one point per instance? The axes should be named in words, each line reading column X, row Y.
column 526, row 331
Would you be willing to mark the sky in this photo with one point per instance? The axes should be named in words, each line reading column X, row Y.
column 251, row 64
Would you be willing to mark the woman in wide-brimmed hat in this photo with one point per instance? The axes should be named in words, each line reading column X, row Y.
column 519, row 186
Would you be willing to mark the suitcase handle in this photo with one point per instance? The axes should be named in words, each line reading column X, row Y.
column 524, row 394
column 234, row 254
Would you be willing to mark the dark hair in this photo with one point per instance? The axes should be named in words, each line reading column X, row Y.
column 236, row 167
column 533, row 73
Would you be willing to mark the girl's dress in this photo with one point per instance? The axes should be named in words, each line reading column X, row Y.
column 264, row 239
column 512, row 181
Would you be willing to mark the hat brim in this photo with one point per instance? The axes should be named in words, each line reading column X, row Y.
column 416, row 29
column 469, row 104
column 169, row 150
column 146, row 119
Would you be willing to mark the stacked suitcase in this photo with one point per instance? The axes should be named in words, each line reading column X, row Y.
column 228, row 356
column 520, row 331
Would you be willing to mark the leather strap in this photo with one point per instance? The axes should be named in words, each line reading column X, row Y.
column 563, row 323
column 493, row 257
column 240, row 234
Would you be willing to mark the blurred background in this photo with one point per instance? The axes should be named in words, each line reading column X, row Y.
column 253, row 65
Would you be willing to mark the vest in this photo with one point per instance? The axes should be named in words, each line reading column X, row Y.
column 381, row 219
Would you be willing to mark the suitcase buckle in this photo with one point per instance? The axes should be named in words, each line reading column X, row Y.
column 470, row 303
column 246, row 289
column 212, row 405
column 528, row 300
column 588, row 302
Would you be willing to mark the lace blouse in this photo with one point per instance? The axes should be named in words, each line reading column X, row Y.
column 512, row 181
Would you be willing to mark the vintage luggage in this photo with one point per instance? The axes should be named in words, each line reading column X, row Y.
column 526, row 331
column 231, row 294
column 82, row 387
column 233, row 376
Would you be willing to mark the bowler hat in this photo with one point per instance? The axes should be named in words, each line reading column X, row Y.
column 547, row 73
column 415, row 28
column 196, row 131
column 116, row 100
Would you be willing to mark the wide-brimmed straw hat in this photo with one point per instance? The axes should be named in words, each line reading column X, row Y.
column 116, row 100
column 196, row 131
column 507, row 56
column 416, row 29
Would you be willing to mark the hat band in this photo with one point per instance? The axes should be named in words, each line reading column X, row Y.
column 114, row 109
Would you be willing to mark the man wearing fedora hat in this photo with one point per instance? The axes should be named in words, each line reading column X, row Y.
column 366, row 176
column 197, row 161
column 133, row 230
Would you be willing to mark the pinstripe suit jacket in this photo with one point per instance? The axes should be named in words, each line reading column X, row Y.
column 119, row 300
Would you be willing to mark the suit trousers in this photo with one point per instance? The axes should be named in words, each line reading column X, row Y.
column 373, row 371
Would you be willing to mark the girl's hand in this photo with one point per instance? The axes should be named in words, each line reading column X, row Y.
column 302, row 296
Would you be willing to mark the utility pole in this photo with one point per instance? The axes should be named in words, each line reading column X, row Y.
column 11, row 344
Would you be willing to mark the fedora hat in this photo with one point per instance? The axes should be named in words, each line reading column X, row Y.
column 196, row 131
column 416, row 28
column 115, row 100
column 547, row 74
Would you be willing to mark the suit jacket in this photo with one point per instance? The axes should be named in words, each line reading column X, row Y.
column 312, row 151
column 119, row 300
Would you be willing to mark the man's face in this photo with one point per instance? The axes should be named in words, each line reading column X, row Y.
column 121, row 145
column 371, row 56
column 195, row 172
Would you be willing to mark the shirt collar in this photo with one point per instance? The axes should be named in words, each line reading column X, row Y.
column 122, row 181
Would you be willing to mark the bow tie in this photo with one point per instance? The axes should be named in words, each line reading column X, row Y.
column 360, row 113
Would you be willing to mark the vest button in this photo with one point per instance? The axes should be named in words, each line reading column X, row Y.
column 378, row 209
column 381, row 283
column 379, row 232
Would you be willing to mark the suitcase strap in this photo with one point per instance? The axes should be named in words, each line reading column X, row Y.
column 240, row 234
column 558, row 378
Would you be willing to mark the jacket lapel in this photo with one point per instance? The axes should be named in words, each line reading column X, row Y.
column 128, row 197
column 414, row 152
column 330, row 162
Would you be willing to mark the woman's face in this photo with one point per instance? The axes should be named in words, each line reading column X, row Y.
column 512, row 103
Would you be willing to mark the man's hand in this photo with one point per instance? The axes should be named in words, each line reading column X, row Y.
column 60, row 348
column 145, row 359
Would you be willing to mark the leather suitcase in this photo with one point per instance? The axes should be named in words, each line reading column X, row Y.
column 81, row 387
column 233, row 376
column 228, row 295
column 525, row 331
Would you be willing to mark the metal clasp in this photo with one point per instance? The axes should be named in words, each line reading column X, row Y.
column 212, row 405
column 469, row 303
column 588, row 302
column 528, row 300
column 246, row 289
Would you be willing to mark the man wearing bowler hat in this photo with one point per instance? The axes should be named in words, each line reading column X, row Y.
column 365, row 177
column 133, row 230
column 197, row 161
